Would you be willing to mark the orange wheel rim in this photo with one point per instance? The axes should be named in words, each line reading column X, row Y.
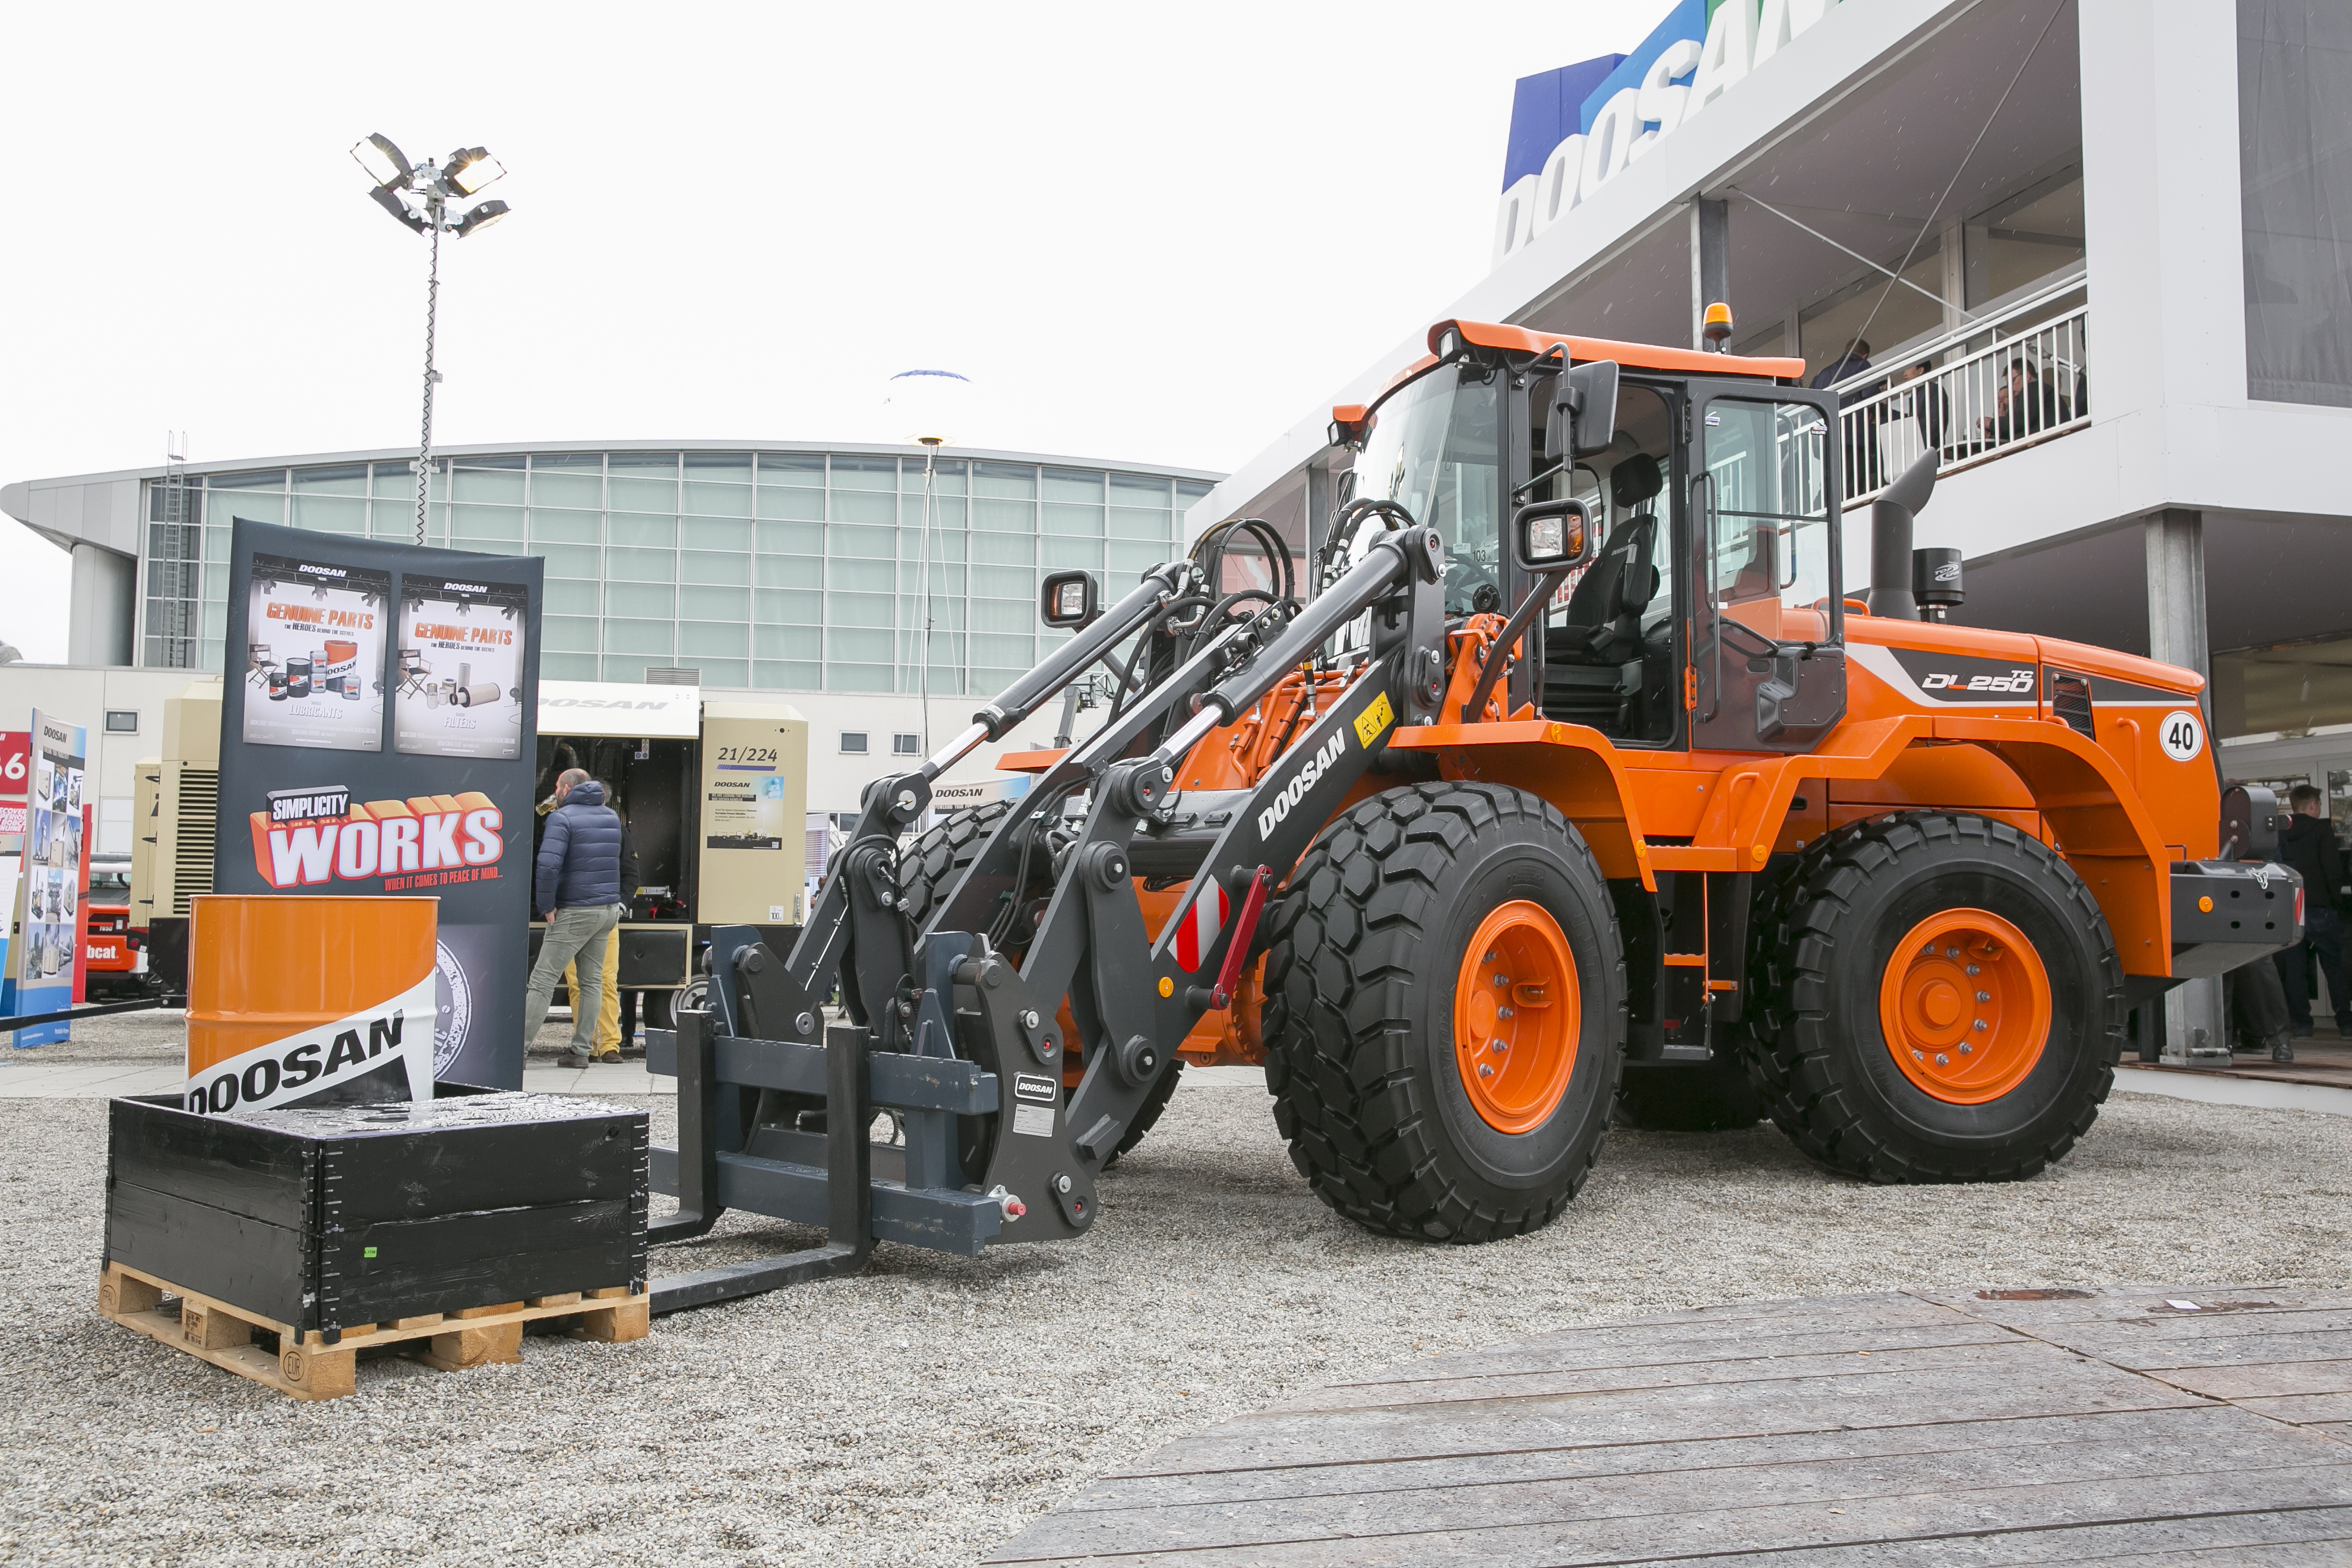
column 1516, row 1015
column 1966, row 1006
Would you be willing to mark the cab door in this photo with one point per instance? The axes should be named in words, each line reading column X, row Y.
column 1767, row 621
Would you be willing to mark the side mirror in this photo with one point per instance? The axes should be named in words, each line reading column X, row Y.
column 1070, row 600
column 1584, row 411
column 1551, row 535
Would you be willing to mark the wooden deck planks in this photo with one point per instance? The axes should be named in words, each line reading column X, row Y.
column 1920, row 1429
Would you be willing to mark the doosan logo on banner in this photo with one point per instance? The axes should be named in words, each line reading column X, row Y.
column 318, row 834
column 1702, row 50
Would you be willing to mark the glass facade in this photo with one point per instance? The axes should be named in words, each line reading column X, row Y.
column 780, row 570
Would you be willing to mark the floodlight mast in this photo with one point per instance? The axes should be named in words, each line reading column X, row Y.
column 419, row 195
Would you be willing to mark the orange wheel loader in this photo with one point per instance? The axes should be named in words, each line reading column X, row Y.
column 1574, row 782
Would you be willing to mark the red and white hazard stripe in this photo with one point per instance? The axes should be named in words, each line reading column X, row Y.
column 1201, row 922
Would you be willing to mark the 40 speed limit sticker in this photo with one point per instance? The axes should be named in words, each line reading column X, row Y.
column 2182, row 735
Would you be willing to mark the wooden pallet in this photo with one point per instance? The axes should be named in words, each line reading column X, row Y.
column 305, row 1367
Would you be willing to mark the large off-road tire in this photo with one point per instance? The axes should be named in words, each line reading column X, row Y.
column 1387, row 985
column 1941, row 1000
column 1712, row 1095
column 925, row 868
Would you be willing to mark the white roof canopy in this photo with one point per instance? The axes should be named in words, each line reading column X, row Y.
column 619, row 711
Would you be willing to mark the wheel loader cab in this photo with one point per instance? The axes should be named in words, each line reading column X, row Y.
column 1710, row 613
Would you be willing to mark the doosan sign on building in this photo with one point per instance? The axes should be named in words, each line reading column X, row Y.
column 1575, row 129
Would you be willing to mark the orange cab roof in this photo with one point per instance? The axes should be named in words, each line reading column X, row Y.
column 1643, row 356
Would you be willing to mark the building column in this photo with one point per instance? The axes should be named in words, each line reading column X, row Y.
column 2196, row 1030
column 102, row 606
column 1318, row 509
column 1710, row 253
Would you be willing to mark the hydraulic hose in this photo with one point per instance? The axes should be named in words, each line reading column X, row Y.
column 1369, row 580
column 1058, row 668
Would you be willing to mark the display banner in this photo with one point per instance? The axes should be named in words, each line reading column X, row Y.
column 429, row 660
column 44, row 954
column 15, row 769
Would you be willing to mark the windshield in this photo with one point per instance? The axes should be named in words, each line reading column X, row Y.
column 1435, row 450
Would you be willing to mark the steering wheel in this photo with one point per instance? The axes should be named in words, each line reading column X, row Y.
column 1469, row 583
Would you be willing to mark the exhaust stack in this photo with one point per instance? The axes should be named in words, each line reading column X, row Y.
column 1890, row 540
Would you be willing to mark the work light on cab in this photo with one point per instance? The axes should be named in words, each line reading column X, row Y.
column 1069, row 600
column 1552, row 536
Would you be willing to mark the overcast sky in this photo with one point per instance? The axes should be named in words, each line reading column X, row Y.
column 1150, row 234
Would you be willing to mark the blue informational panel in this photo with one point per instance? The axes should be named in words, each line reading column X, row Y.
column 47, row 943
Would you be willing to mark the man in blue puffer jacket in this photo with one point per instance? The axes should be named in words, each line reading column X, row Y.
column 577, row 891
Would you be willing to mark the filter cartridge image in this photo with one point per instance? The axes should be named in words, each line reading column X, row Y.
column 479, row 696
column 342, row 669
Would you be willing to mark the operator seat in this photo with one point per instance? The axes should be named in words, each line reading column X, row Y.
column 1593, row 664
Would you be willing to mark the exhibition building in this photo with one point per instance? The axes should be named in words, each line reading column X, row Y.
column 780, row 567
column 2090, row 253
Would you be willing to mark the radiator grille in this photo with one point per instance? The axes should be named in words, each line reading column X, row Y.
column 195, row 819
column 2070, row 704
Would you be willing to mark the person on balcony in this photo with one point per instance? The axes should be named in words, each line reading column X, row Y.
column 1846, row 366
column 2025, row 404
column 1925, row 402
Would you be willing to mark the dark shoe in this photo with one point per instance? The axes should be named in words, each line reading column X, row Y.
column 2281, row 1051
column 604, row 1056
column 2303, row 1031
column 575, row 1057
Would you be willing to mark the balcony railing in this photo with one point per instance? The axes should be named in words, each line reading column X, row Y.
column 2004, row 381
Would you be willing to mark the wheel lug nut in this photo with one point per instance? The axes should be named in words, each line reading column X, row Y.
column 1979, row 1026
column 1972, row 969
column 1951, row 953
column 1502, row 1012
column 1485, row 1070
column 1499, row 1047
column 1984, row 995
column 1966, row 1049
column 1942, row 1060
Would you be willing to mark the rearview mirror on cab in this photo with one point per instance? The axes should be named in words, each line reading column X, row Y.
column 1551, row 535
column 1584, row 411
column 1070, row 600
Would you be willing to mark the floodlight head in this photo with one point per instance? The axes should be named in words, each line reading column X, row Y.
column 388, row 198
column 481, row 218
column 386, row 165
column 469, row 171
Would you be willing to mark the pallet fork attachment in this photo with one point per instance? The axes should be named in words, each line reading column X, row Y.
column 848, row 1185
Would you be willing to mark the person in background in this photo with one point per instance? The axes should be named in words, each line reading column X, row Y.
column 576, row 889
column 616, row 1015
column 2308, row 844
column 1923, row 401
column 1851, row 363
column 2025, row 404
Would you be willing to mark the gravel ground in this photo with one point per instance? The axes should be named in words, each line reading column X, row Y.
column 925, row 1411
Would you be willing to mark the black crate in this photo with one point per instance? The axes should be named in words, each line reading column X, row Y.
column 328, row 1217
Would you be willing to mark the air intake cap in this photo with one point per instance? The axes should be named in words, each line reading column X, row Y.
column 1936, row 581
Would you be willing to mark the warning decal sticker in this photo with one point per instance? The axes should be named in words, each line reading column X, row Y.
column 1201, row 924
